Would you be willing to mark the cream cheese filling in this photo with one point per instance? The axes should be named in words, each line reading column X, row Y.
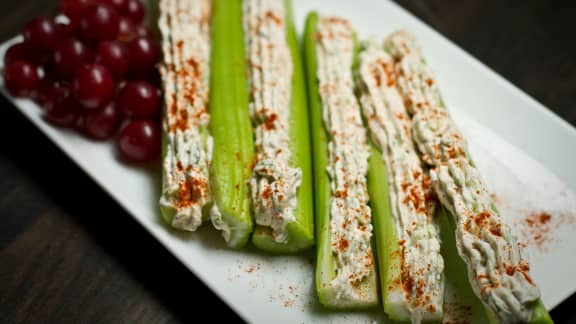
column 411, row 196
column 497, row 267
column 185, row 28
column 348, row 153
column 274, row 183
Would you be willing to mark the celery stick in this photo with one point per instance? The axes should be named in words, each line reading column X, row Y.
column 301, row 231
column 497, row 269
column 325, row 266
column 230, row 124
column 416, row 291
column 387, row 248
column 186, row 144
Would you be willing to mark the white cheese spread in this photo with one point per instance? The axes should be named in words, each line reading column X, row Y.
column 274, row 183
column 497, row 267
column 348, row 153
column 185, row 28
column 411, row 196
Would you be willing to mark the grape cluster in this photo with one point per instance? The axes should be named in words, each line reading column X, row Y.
column 93, row 69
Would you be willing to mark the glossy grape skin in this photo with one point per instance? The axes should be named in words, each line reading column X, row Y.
column 133, row 10
column 41, row 33
column 115, row 56
column 47, row 82
column 60, row 107
column 71, row 55
column 128, row 31
column 139, row 99
column 23, row 52
column 117, row 4
column 68, row 29
column 100, row 22
column 140, row 141
column 103, row 123
column 144, row 53
column 21, row 78
column 94, row 86
column 73, row 9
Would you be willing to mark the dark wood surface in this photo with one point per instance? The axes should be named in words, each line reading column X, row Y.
column 69, row 254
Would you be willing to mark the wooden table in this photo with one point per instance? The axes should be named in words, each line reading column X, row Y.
column 70, row 254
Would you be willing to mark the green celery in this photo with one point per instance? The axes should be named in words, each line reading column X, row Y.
column 324, row 263
column 388, row 251
column 300, row 232
column 230, row 121
column 456, row 277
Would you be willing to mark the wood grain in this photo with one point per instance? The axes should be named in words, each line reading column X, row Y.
column 70, row 254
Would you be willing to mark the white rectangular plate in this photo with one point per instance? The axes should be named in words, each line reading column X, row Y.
column 520, row 147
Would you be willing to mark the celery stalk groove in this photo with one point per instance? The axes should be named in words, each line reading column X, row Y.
column 325, row 269
column 230, row 122
column 301, row 231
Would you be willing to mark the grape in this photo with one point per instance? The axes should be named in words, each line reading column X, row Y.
column 42, row 34
column 78, row 124
column 74, row 9
column 115, row 56
column 93, row 86
column 100, row 22
column 60, row 107
column 23, row 52
column 133, row 10
column 102, row 123
column 144, row 53
column 69, row 56
column 116, row 4
column 140, row 141
column 68, row 29
column 45, row 86
column 128, row 30
column 72, row 69
column 143, row 31
column 140, row 99
column 21, row 78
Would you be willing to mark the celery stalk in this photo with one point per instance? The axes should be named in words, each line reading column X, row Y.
column 300, row 232
column 456, row 276
column 325, row 269
column 444, row 150
column 540, row 315
column 230, row 122
column 387, row 248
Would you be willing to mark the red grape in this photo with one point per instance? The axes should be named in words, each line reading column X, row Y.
column 21, row 78
column 60, row 107
column 116, row 4
column 100, row 22
column 93, row 86
column 74, row 9
column 45, row 86
column 143, row 31
column 69, row 56
column 42, row 34
column 139, row 99
column 128, row 30
column 23, row 52
column 102, row 123
column 144, row 54
column 68, row 29
column 115, row 56
column 79, row 124
column 72, row 68
column 140, row 141
column 133, row 10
